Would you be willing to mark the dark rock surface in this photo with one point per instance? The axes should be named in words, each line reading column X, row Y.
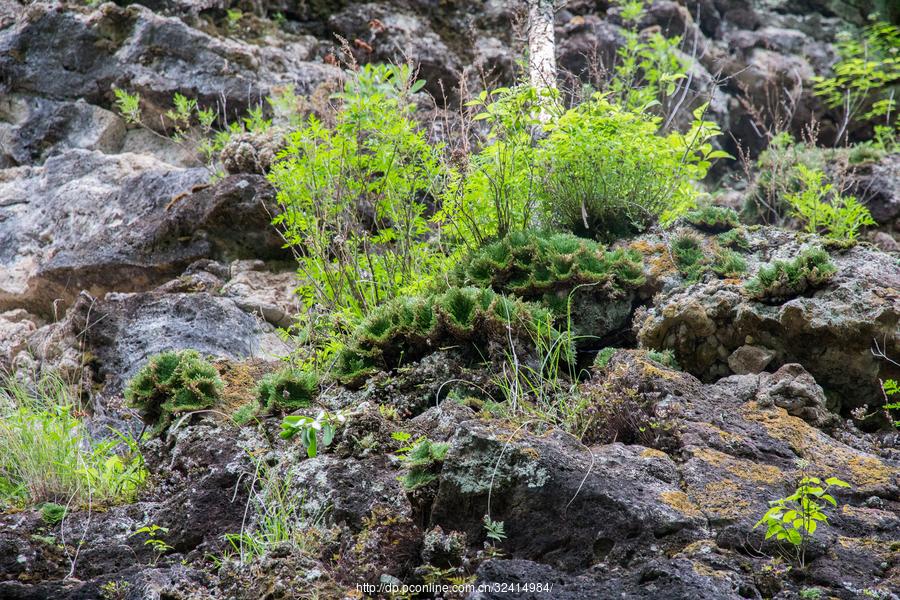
column 115, row 245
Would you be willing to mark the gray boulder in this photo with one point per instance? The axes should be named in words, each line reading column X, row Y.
column 830, row 331
column 124, row 330
column 89, row 221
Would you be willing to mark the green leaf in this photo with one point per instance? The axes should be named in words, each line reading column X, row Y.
column 837, row 482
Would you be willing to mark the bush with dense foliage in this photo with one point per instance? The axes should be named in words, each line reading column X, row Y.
column 782, row 280
column 864, row 83
column 172, row 383
column 355, row 197
column 606, row 173
column 822, row 209
column 549, row 267
column 406, row 329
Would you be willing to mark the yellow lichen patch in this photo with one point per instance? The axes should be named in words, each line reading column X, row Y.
column 866, row 473
column 880, row 548
column 653, row 453
column 645, row 247
column 744, row 469
column 240, row 379
column 720, row 499
column 698, row 547
column 680, row 502
column 725, row 436
column 530, row 452
column 869, row 471
column 705, row 570
column 652, row 371
column 662, row 264
column 872, row 517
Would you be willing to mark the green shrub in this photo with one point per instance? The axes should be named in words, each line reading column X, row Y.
column 423, row 462
column 779, row 174
column 605, row 172
column 821, row 209
column 574, row 277
column 48, row 455
column 713, row 219
column 406, row 329
column 287, row 390
column 782, row 280
column 865, row 75
column 172, row 383
column 649, row 64
column 494, row 193
column 354, row 198
column 600, row 170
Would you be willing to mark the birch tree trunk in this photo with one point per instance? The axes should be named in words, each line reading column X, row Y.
column 541, row 44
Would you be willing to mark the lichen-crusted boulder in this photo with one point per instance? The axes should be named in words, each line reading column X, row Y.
column 79, row 52
column 739, row 449
column 89, row 221
column 830, row 331
column 124, row 330
column 251, row 152
column 32, row 129
column 563, row 503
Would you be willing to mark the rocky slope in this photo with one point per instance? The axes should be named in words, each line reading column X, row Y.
column 115, row 245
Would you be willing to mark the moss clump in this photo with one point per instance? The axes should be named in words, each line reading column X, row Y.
column 713, row 219
column 406, row 329
column 728, row 263
column 782, row 280
column 736, row 239
column 548, row 267
column 603, row 357
column 287, row 390
column 424, row 463
column 665, row 357
column 172, row 383
column 687, row 250
column 693, row 261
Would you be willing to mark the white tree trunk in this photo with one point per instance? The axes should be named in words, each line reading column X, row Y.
column 541, row 44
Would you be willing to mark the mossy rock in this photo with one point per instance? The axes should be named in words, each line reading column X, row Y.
column 782, row 280
column 173, row 383
column 287, row 390
column 557, row 269
column 693, row 261
column 713, row 219
column 406, row 329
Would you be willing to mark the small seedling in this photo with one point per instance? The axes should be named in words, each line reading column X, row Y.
column 494, row 529
column 158, row 545
column 325, row 425
column 794, row 519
